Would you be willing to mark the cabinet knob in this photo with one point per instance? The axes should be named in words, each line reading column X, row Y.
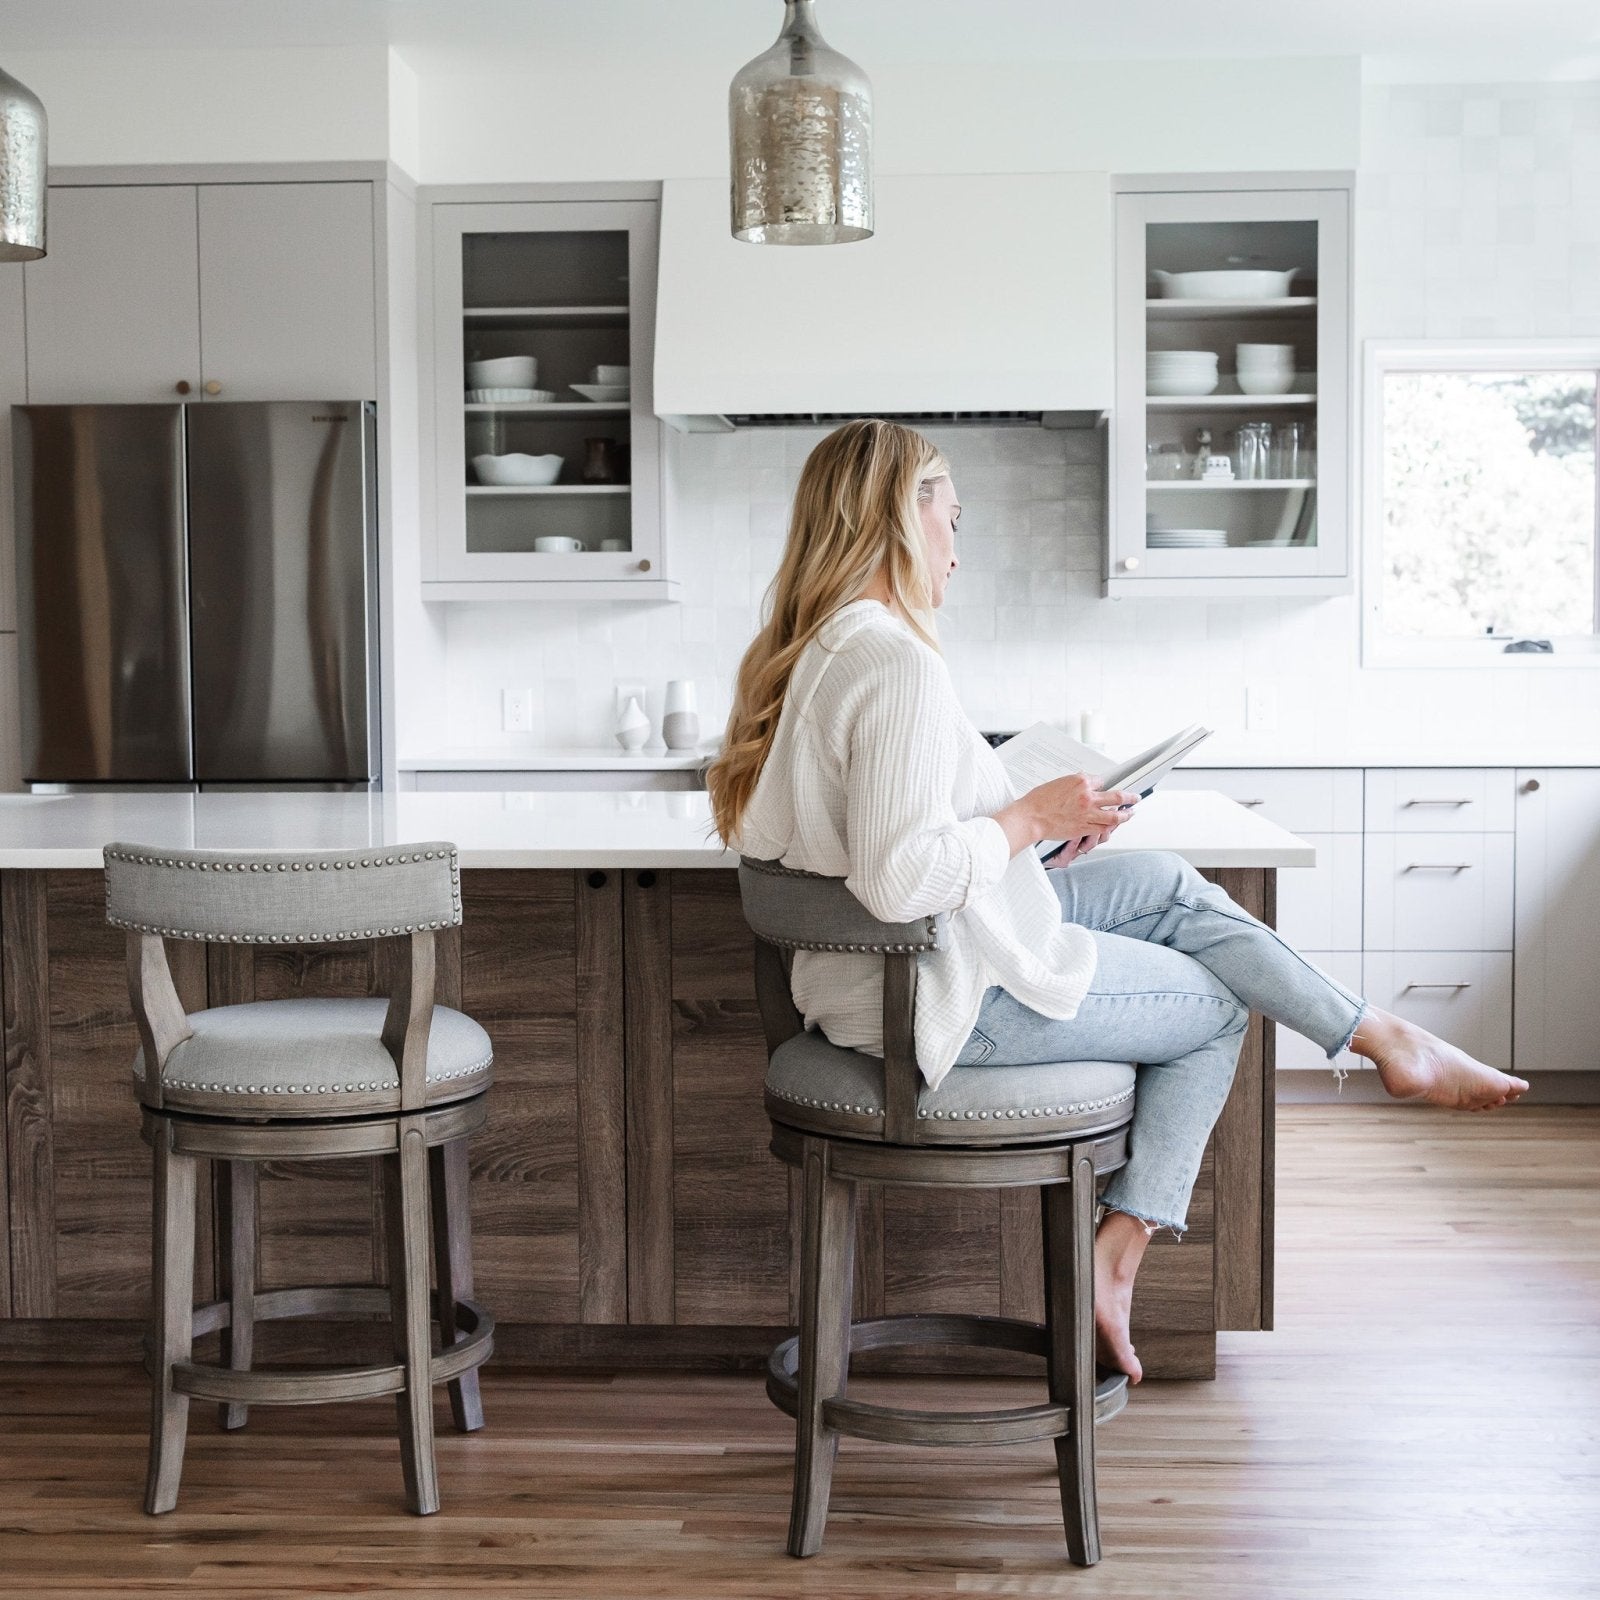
column 213, row 387
column 1531, row 786
column 597, row 880
column 644, row 566
column 183, row 386
column 1130, row 563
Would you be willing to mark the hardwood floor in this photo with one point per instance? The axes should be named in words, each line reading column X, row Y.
column 1425, row 1422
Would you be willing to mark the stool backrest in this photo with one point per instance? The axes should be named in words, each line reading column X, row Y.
column 283, row 897
column 790, row 910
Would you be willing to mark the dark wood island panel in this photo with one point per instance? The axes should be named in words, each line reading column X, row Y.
column 625, row 1205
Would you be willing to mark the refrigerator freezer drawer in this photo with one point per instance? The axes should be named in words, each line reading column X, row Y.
column 102, row 613
column 282, row 573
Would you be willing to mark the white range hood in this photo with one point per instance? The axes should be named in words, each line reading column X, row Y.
column 985, row 293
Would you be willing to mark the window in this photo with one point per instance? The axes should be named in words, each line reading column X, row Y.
column 1480, row 496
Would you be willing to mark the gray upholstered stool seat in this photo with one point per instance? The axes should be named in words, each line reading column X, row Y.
column 821, row 1087
column 312, row 1058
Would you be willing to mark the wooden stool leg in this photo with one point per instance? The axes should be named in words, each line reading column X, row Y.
column 1069, row 1317
column 172, row 1316
column 450, row 1183
column 827, row 1249
column 236, row 1229
column 406, row 1217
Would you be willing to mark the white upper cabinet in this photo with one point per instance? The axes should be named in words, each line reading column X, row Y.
column 976, row 293
column 1233, row 348
column 259, row 291
column 287, row 310
column 113, row 310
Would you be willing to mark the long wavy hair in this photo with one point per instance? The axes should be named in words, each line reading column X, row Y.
column 854, row 516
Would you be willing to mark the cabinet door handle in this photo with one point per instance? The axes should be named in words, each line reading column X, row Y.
column 213, row 387
column 1249, row 802
column 1436, row 986
column 1129, row 563
column 1531, row 786
column 1437, row 866
column 1435, row 803
column 644, row 566
column 182, row 386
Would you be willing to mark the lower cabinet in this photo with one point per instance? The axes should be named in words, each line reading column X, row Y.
column 1461, row 995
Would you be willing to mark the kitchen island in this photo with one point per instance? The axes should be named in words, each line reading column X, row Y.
column 626, row 1209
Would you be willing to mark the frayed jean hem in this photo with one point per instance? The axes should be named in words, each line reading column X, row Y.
column 1155, row 1224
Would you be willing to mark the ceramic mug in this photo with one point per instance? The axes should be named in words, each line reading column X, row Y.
column 556, row 544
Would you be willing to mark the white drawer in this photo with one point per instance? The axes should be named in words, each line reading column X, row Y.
column 1319, row 908
column 1440, row 799
column 1438, row 891
column 1293, row 1051
column 547, row 779
column 1301, row 799
column 1461, row 995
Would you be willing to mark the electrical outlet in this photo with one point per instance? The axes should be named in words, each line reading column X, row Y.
column 516, row 710
column 1260, row 708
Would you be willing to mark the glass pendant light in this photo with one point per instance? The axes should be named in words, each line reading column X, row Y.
column 22, row 172
column 800, row 128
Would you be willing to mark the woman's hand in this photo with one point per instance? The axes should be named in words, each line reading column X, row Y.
column 1071, row 808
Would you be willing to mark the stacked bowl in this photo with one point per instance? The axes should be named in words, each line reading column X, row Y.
column 1178, row 372
column 1264, row 368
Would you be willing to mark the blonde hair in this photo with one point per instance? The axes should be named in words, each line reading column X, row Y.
column 854, row 516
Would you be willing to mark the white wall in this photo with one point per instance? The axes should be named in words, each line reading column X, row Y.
column 1479, row 213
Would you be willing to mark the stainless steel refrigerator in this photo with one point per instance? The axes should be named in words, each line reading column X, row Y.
column 197, row 593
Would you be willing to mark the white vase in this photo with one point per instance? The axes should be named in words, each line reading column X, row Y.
column 633, row 727
column 680, row 730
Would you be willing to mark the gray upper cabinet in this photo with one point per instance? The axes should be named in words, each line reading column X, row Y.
column 249, row 291
column 286, row 291
column 113, row 310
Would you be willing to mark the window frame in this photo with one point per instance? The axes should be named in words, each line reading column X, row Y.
column 1383, row 356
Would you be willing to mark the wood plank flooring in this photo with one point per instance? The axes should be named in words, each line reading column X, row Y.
column 1424, row 1423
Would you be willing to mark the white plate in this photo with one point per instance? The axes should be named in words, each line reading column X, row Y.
column 510, row 397
column 602, row 393
column 1178, row 384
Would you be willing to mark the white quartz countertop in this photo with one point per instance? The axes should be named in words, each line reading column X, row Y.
column 522, row 829
column 555, row 758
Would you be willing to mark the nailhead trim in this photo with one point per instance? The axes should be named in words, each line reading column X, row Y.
column 1072, row 1109
column 320, row 1088
column 140, row 858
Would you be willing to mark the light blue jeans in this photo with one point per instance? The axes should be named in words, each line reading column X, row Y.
column 1179, row 969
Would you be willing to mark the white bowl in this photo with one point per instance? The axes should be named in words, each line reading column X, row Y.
column 605, row 374
column 504, row 372
column 516, row 470
column 1265, row 382
column 1241, row 284
column 510, row 397
column 602, row 393
column 1263, row 352
column 1175, row 385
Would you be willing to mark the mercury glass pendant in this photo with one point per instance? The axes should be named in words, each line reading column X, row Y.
column 22, row 172
column 800, row 129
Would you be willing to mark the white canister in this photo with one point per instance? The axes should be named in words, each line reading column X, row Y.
column 680, row 722
column 1093, row 729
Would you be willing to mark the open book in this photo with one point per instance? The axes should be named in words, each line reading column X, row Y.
column 1040, row 753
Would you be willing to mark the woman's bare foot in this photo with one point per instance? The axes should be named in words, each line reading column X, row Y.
column 1118, row 1249
column 1414, row 1064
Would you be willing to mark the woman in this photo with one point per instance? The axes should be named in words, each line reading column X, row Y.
column 848, row 754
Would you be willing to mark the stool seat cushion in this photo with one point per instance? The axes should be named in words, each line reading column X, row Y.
column 312, row 1058
column 818, row 1086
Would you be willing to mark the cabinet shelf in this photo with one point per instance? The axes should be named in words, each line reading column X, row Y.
column 488, row 489
column 1227, row 310
column 1166, row 484
column 553, row 408
column 1224, row 402
column 550, row 316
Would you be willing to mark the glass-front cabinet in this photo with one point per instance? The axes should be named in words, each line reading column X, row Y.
column 546, row 448
column 1230, row 432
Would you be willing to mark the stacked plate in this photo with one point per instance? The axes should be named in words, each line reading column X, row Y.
column 1179, row 372
column 1185, row 538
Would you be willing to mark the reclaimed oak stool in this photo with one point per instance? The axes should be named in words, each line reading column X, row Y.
column 843, row 1118
column 400, row 1079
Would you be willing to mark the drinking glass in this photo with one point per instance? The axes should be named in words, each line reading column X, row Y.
column 1290, row 456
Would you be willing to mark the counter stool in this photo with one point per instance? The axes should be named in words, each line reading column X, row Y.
column 843, row 1117
column 403, row 1080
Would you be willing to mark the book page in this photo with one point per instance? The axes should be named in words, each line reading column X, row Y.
column 1040, row 753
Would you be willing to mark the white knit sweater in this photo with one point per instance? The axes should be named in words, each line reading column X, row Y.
column 877, row 776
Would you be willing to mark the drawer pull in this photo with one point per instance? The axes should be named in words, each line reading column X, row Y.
column 1411, row 986
column 1437, row 866
column 1436, row 803
column 1249, row 802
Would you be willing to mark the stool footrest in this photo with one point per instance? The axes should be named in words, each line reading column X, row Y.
column 289, row 1386
column 902, row 1425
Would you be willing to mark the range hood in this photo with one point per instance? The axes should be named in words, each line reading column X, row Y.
column 912, row 419
column 982, row 299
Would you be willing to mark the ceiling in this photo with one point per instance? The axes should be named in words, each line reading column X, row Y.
column 1467, row 39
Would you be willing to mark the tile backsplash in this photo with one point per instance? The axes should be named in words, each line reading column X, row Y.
column 1478, row 214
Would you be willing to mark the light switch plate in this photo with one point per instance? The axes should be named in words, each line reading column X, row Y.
column 631, row 689
column 1260, row 708
column 516, row 710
